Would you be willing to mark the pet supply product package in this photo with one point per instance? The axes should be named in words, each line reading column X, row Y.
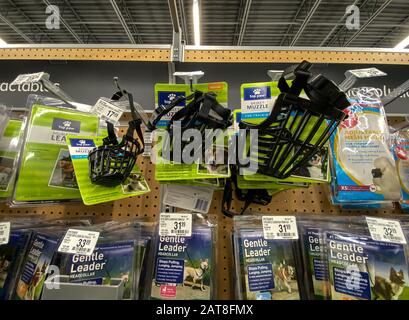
column 91, row 193
column 46, row 172
column 184, row 266
column 315, row 171
column 40, row 253
column 361, row 268
column 4, row 119
column 11, row 258
column 10, row 146
column 266, row 269
column 363, row 165
column 314, row 251
column 257, row 101
column 169, row 171
column 109, row 272
column 401, row 154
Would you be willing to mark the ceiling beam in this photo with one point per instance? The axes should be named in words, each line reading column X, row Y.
column 367, row 22
column 130, row 19
column 305, row 22
column 16, row 30
column 122, row 21
column 77, row 16
column 244, row 20
column 66, row 25
column 293, row 21
column 184, row 22
column 30, row 22
column 403, row 24
column 336, row 26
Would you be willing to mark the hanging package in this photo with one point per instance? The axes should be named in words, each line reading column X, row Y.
column 46, row 172
column 297, row 128
column 112, row 163
column 266, row 269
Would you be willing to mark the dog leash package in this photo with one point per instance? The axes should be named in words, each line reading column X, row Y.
column 363, row 165
column 46, row 173
column 184, row 266
column 91, row 193
column 266, row 269
column 110, row 272
column 10, row 146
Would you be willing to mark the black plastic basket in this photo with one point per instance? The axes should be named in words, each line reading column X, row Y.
column 297, row 128
column 112, row 163
column 202, row 112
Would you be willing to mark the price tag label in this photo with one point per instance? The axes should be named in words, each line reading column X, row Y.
column 367, row 73
column 81, row 242
column 385, row 230
column 4, row 232
column 27, row 78
column 280, row 227
column 107, row 110
column 196, row 199
column 175, row 224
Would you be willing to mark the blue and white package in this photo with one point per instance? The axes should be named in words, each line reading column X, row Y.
column 363, row 164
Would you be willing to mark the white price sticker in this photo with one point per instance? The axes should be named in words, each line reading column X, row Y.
column 385, row 230
column 189, row 198
column 27, row 78
column 107, row 110
column 367, row 73
column 280, row 227
column 147, row 141
column 4, row 232
column 175, row 224
column 81, row 242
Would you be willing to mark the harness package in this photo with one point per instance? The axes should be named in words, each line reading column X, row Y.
column 265, row 269
column 46, row 172
column 184, row 267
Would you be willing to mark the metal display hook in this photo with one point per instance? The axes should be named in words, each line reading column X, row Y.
column 189, row 78
column 352, row 76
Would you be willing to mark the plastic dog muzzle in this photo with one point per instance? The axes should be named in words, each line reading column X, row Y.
column 297, row 128
column 112, row 163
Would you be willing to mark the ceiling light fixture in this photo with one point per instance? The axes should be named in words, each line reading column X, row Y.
column 403, row 44
column 196, row 22
column 2, row 43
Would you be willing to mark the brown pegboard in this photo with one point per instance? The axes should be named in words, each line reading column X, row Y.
column 313, row 200
column 100, row 54
column 295, row 56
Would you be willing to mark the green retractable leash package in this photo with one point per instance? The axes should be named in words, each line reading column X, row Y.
column 46, row 173
column 198, row 110
column 106, row 168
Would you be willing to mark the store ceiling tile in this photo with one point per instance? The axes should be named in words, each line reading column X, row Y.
column 383, row 23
